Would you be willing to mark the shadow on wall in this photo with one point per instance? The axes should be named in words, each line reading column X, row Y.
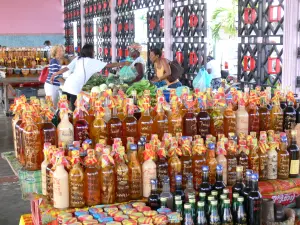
column 30, row 40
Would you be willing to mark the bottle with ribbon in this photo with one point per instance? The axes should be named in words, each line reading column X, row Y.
column 48, row 129
column 81, row 126
column 98, row 129
column 221, row 158
column 231, row 163
column 130, row 125
column 114, row 125
column 174, row 118
column 263, row 155
column 189, row 121
column 145, row 123
column 253, row 156
column 91, row 112
column 243, row 156
column 229, row 120
column 65, row 129
column 135, row 174
column 276, row 118
column 122, row 105
column 160, row 122
column 264, row 113
column 174, row 163
column 198, row 160
column 52, row 152
column 217, row 117
column 148, row 170
column 63, row 102
column 186, row 161
column 203, row 118
column 242, row 117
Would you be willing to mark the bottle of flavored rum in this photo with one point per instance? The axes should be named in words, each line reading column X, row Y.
column 90, row 115
column 49, row 173
column 263, row 156
column 289, row 115
column 205, row 185
column 189, row 120
column 203, row 118
column 186, row 161
column 231, row 164
column 44, row 167
column 239, row 185
column 162, row 167
column 148, row 170
column 219, row 185
column 166, row 192
column 242, row 157
column 98, row 128
column 130, row 126
column 253, row 156
column 145, row 123
column 81, row 126
column 212, row 162
column 247, row 187
column 48, row 128
column 178, row 189
column 221, row 159
column 198, row 160
column 174, row 163
column 276, row 122
column 283, row 167
column 217, row 117
column 293, row 149
column 264, row 113
column 242, row 118
column 153, row 198
column 253, row 113
column 272, row 161
column 114, row 126
column 229, row 120
column 135, row 174
column 174, row 119
column 254, row 202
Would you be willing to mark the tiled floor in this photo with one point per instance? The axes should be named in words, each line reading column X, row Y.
column 11, row 204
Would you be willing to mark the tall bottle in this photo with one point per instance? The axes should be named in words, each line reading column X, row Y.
column 272, row 161
column 44, row 167
column 60, row 186
column 264, row 115
column 98, row 128
column 174, row 120
column 203, row 119
column 226, row 216
column 241, row 218
column 188, row 219
column 253, row 157
column 205, row 185
column 242, row 119
column 32, row 145
column 189, row 121
column 81, row 126
column 65, row 129
column 243, row 158
column 293, row 149
column 219, row 185
column 166, row 192
column 254, row 202
column 217, row 120
column 76, row 179
column 162, row 167
column 178, row 189
column 174, row 163
column 114, row 127
column 198, row 160
column 239, row 185
column 289, row 115
column 263, row 156
column 135, row 174
column 276, row 121
column 153, row 198
column 107, row 177
column 145, row 123
column 253, row 113
column 148, row 170
column 160, row 122
column 247, row 187
column 91, row 182
column 231, row 164
column 214, row 218
column 211, row 162
column 186, row 161
column 221, row 159
column 130, row 126
column 229, row 120
column 283, row 166
column 189, row 190
column 48, row 133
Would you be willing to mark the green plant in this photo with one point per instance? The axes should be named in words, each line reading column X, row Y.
column 224, row 20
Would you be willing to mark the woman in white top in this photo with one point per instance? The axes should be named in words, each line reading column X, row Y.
column 82, row 68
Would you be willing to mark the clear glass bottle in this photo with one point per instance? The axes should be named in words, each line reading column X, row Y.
column 293, row 149
column 272, row 162
column 253, row 113
column 166, row 192
column 153, row 198
column 239, row 185
column 283, row 167
column 48, row 133
column 174, row 163
column 148, row 170
column 189, row 121
column 135, row 174
column 114, row 127
column 211, row 162
column 217, row 120
column 189, row 190
column 254, row 202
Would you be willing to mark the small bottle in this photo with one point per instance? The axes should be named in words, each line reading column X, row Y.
column 178, row 190
column 153, row 199
column 226, row 215
column 283, row 166
column 135, row 174
column 219, row 185
column 272, row 162
column 212, row 162
column 234, row 205
column 161, row 167
column 214, row 218
column 188, row 219
column 189, row 190
column 247, row 187
column 254, row 202
column 192, row 202
column 166, row 193
column 241, row 218
column 178, row 207
column 202, row 196
column 293, row 149
column 205, row 185
column 201, row 218
column 239, row 185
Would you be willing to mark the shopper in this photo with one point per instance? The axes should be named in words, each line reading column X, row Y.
column 47, row 48
column 52, row 87
column 162, row 70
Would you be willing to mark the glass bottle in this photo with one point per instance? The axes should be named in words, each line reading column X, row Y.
column 19, row 143
column 198, row 160
column 189, row 190
column 231, row 164
column 293, row 150
column 192, row 202
column 178, row 207
column 242, row 119
column 219, row 185
column 239, row 185
column 234, row 205
column 289, row 117
column 254, row 202
column 226, row 214
column 135, row 175
column 243, row 158
column 247, row 187
column 174, row 120
column 263, row 156
column 276, row 122
column 188, row 219
column 114, row 127
column 283, row 159
column 221, row 203
column 272, row 162
column 91, row 182
column 205, row 185
column 140, row 151
column 229, row 120
column 60, row 186
column 76, row 177
column 162, row 167
column 186, row 161
column 174, row 163
column 216, row 121
column 14, row 121
column 145, row 123
column 221, row 159
column 107, row 177
column 90, row 115
column 81, row 128
column 122, row 179
column 210, row 198
column 153, row 198
column 253, row 157
column 65, row 129
column 32, row 145
column 44, row 167
column 241, row 218
column 178, row 189
column 160, row 122
column 201, row 218
column 98, row 128
column 211, row 162
column 214, row 218
column 148, row 170
column 48, row 129
column 166, row 192
column 130, row 126
column 189, row 121
column 203, row 120
column 264, row 115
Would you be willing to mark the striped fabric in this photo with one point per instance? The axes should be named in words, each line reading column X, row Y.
column 54, row 66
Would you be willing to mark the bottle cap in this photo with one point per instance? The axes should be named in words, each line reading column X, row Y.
column 226, row 191
column 249, row 173
column 187, row 206
column 214, row 203
column 163, row 199
column 235, row 195
column 214, row 193
column 192, row 200
column 211, row 198
column 133, row 147
column 219, row 168
column 254, row 177
column 153, row 181
column 239, row 169
column 201, row 203
column 240, row 199
column 178, row 178
column 191, row 195
column 211, row 146
column 223, row 196
column 178, row 202
column 202, row 194
column 177, row 197
column 226, row 201
column 205, row 168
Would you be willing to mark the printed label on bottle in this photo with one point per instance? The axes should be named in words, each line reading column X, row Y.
column 294, row 167
column 66, row 136
column 283, row 167
column 272, row 165
column 231, row 174
column 148, row 174
column 242, row 124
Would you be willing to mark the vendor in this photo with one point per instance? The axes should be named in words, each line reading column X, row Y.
column 162, row 70
column 138, row 65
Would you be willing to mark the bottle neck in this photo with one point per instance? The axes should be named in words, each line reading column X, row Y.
column 166, row 187
column 219, row 176
column 133, row 156
column 154, row 188
column 205, row 177
column 114, row 112
column 254, row 186
column 248, row 182
column 178, row 185
column 239, row 177
column 146, row 112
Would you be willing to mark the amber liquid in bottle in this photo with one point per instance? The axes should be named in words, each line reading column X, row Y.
column 122, row 179
column 253, row 157
column 231, row 164
column 114, row 127
column 18, row 139
column 283, row 160
column 217, row 121
column 264, row 115
column 145, row 124
column 229, row 120
column 293, row 149
column 174, row 165
column 276, row 123
column 81, row 129
column 160, row 123
column 189, row 123
column 212, row 163
column 174, row 120
column 198, row 161
column 98, row 129
column 203, row 123
column 49, row 180
column 49, row 132
column 289, row 117
column 253, row 118
column 14, row 121
column 186, row 162
column 243, row 161
column 135, row 176
column 263, row 157
column 162, row 168
column 130, row 126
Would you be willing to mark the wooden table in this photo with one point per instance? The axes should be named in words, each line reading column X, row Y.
column 13, row 80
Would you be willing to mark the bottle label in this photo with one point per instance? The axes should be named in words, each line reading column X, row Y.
column 122, row 184
column 231, row 174
column 107, row 186
column 76, row 193
column 272, row 165
column 242, row 124
column 136, row 182
column 66, row 136
column 148, row 174
column 203, row 127
column 283, row 166
column 294, row 167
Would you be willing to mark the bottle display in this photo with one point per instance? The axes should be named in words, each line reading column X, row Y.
column 98, row 127
column 160, row 122
column 186, row 161
column 162, row 168
column 239, row 185
column 231, row 164
column 148, row 170
column 166, row 192
column 130, row 126
column 272, row 162
column 135, row 174
column 293, row 150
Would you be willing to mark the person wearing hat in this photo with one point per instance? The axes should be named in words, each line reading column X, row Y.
column 138, row 65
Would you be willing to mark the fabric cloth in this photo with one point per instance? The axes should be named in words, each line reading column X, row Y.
column 216, row 83
column 160, row 84
column 54, row 67
column 215, row 68
column 83, row 69
column 175, row 85
column 135, row 47
column 53, row 91
column 71, row 99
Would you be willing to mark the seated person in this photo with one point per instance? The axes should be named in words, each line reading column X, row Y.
column 138, row 65
column 162, row 70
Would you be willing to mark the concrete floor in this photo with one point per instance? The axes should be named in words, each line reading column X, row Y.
column 11, row 204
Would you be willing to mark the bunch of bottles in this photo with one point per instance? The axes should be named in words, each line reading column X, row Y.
column 210, row 204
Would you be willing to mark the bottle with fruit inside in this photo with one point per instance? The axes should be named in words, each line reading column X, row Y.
column 145, row 123
column 174, row 163
column 189, row 121
column 130, row 126
column 264, row 113
column 98, row 128
column 160, row 121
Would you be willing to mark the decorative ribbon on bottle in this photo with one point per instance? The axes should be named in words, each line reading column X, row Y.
column 167, row 140
column 174, row 149
column 232, row 146
column 64, row 109
column 221, row 148
column 149, row 153
column 47, row 112
column 62, row 100
column 91, row 158
column 198, row 148
column 161, row 153
column 99, row 109
column 271, row 135
column 219, row 100
column 99, row 148
column 186, row 148
column 75, row 157
column 189, row 103
column 177, row 138
column 202, row 100
column 106, row 158
column 120, row 155
column 276, row 98
column 263, row 145
column 173, row 93
column 249, row 141
column 80, row 107
column 290, row 97
column 159, row 93
column 243, row 146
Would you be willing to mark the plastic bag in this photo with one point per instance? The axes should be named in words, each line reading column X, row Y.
column 202, row 80
column 126, row 74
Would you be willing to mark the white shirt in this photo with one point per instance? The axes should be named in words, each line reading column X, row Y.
column 215, row 68
column 78, row 78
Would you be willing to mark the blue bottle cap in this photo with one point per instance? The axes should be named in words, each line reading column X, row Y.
column 205, row 168
column 254, row 177
column 153, row 181
column 211, row 145
column 133, row 147
column 283, row 138
column 178, row 178
column 88, row 141
column 249, row 172
column 219, row 167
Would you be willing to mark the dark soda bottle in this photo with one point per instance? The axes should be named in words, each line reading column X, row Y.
column 153, row 199
column 247, row 188
column 178, row 189
column 219, row 185
column 239, row 185
column 205, row 186
column 254, row 202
